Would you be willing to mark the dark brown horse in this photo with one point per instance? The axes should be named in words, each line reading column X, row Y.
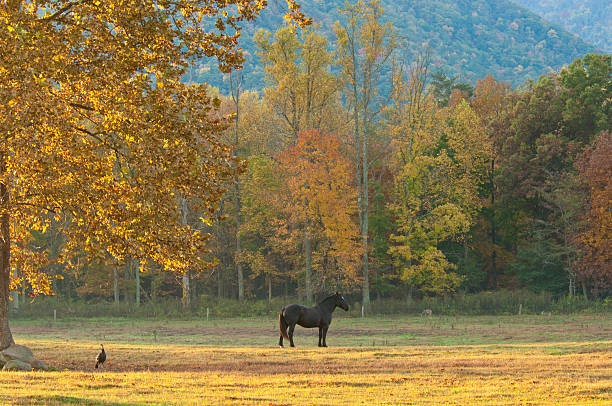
column 309, row 317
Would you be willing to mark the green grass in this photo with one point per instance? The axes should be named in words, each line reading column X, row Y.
column 344, row 331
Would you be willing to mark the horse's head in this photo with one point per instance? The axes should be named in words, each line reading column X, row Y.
column 340, row 302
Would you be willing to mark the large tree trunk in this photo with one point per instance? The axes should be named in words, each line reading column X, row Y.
column 6, row 338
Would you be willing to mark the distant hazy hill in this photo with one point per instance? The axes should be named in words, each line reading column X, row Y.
column 467, row 38
column 590, row 19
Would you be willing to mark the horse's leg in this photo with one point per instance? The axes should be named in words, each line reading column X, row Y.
column 280, row 341
column 291, row 328
column 320, row 335
column 324, row 336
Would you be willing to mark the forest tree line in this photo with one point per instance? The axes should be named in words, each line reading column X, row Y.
column 430, row 188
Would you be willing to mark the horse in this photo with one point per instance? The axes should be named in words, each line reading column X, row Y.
column 309, row 317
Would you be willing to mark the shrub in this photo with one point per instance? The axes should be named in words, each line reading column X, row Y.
column 483, row 303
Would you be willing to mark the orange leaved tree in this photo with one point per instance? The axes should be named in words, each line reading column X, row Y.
column 323, row 200
column 596, row 238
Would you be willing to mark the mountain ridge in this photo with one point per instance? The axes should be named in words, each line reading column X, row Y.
column 589, row 19
column 468, row 39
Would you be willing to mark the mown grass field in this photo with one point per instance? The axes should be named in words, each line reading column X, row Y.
column 396, row 360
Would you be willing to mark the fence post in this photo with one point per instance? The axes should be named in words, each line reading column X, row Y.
column 207, row 313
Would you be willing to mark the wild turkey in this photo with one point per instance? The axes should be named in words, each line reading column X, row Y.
column 101, row 357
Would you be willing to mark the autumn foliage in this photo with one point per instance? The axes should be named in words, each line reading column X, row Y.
column 102, row 139
column 322, row 196
column 596, row 240
column 325, row 179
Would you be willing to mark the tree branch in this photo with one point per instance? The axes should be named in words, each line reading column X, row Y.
column 62, row 11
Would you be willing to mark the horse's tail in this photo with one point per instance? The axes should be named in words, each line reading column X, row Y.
column 282, row 324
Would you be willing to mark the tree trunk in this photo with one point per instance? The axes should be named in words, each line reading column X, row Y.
column 308, row 254
column 239, row 272
column 6, row 338
column 219, row 267
column 364, row 230
column 186, row 294
column 219, row 282
column 136, row 266
column 116, row 285
column 493, row 277
column 269, row 290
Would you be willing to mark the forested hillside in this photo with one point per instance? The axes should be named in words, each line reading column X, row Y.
column 590, row 19
column 468, row 39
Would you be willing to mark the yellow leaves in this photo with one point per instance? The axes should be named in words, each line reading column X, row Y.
column 443, row 155
column 101, row 126
column 432, row 273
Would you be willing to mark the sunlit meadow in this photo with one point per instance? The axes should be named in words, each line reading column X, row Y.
column 440, row 360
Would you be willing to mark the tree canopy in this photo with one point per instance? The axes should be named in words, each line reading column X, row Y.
column 99, row 136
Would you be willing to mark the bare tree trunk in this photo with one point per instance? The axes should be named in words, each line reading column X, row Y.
column 136, row 265
column 219, row 267
column 269, row 290
column 116, row 285
column 6, row 338
column 308, row 254
column 364, row 230
column 239, row 272
column 219, row 282
column 493, row 277
column 236, row 84
column 186, row 294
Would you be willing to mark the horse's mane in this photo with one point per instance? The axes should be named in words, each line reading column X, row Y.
column 326, row 299
column 323, row 303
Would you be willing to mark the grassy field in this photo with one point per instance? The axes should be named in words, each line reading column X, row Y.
column 397, row 360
